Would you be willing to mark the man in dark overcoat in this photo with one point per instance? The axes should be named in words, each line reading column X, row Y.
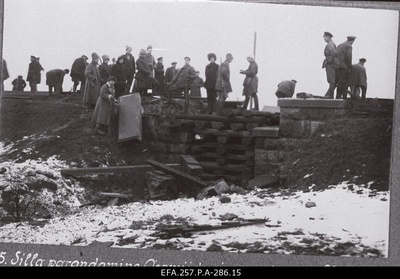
column 223, row 84
column 358, row 79
column 250, row 83
column 104, row 70
column 34, row 75
column 78, row 73
column 345, row 52
column 130, row 68
column 211, row 80
column 159, row 75
column 119, row 72
column 55, row 79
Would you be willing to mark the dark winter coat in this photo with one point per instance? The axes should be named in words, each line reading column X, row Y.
column 184, row 77
column 104, row 73
column 152, row 62
column 18, row 84
column 287, row 87
column 78, row 69
column 345, row 52
column 159, row 73
column 358, row 76
column 129, row 64
column 92, row 85
column 211, row 76
column 55, row 77
column 104, row 105
column 143, row 73
column 195, row 90
column 6, row 75
column 119, row 72
column 34, row 70
column 223, row 79
column 250, row 83
column 169, row 74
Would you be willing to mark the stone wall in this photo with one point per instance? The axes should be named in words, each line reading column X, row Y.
column 299, row 119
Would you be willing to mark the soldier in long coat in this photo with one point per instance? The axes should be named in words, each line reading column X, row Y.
column 104, row 70
column 330, row 63
column 250, row 83
column 211, row 80
column 78, row 73
column 119, row 72
column 105, row 106
column 143, row 74
column 345, row 52
column 130, row 68
column 159, row 75
column 223, row 84
column 358, row 79
column 92, row 85
column 55, row 79
column 170, row 73
column 34, row 75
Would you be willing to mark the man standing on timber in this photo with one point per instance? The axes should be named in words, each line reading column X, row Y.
column 250, row 83
column 330, row 64
column 345, row 52
column 211, row 80
column 182, row 81
column 223, row 84
column 34, row 75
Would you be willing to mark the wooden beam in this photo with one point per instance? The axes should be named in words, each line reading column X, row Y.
column 229, row 133
column 184, row 176
column 121, row 169
column 220, row 118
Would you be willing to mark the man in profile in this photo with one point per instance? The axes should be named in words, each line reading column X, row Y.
column 34, row 75
column 345, row 52
column 358, row 79
column 330, row 64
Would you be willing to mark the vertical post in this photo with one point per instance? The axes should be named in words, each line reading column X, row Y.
column 254, row 54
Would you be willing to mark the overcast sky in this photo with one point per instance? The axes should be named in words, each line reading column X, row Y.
column 289, row 38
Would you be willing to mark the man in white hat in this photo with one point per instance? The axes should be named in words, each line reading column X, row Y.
column 250, row 83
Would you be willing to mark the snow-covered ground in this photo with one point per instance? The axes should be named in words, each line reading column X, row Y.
column 343, row 220
column 346, row 220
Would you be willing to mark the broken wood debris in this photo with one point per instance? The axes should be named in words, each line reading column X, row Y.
column 180, row 174
column 120, row 169
column 173, row 231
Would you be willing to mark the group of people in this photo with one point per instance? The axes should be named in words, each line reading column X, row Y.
column 340, row 71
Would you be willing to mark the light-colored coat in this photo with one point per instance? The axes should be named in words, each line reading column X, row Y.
column 223, row 79
column 250, row 83
column 104, row 107
column 92, row 85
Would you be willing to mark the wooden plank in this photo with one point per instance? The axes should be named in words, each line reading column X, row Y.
column 184, row 176
column 251, row 113
column 251, row 126
column 215, row 132
column 232, row 112
column 221, row 118
column 190, row 165
column 114, row 195
column 222, row 139
column 120, row 169
column 228, row 167
column 130, row 118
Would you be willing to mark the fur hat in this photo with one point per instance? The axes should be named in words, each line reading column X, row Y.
column 128, row 47
column 149, row 46
column 363, row 60
column 229, row 56
column 95, row 55
column 84, row 56
column 121, row 56
column 142, row 52
column 211, row 55
column 105, row 57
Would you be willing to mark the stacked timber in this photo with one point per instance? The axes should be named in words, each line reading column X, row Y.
column 226, row 145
